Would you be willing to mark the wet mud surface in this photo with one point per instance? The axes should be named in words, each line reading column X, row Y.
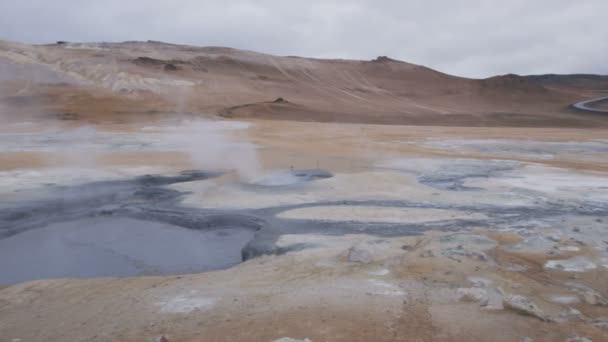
column 130, row 227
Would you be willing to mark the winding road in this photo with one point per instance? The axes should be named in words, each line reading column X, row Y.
column 585, row 105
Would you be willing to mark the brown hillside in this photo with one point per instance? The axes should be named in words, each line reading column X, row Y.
column 113, row 80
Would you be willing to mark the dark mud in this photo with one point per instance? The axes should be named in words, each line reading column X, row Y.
column 452, row 173
column 454, row 176
column 117, row 246
column 138, row 227
column 287, row 179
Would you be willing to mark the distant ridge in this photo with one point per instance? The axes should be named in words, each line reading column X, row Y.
column 104, row 79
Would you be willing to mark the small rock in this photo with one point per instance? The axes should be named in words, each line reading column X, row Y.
column 523, row 305
column 289, row 339
column 587, row 294
column 427, row 254
column 527, row 339
column 479, row 281
column 477, row 256
column 576, row 229
column 474, row 294
column 593, row 298
column 578, row 339
column 569, row 249
column 601, row 323
column 575, row 264
column 565, row 299
column 572, row 315
column 161, row 338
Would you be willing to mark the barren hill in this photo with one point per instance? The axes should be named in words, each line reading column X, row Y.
column 111, row 81
column 574, row 81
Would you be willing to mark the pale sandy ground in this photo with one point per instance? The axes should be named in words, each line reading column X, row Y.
column 438, row 286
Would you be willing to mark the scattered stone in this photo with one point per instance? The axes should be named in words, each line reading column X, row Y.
column 479, row 256
column 593, row 298
column 459, row 251
column 289, row 339
column 527, row 339
column 161, row 338
column 474, row 294
column 601, row 323
column 427, row 254
column 579, row 242
column 554, row 238
column 479, row 281
column 472, row 246
column 576, row 229
column 571, row 315
column 569, row 249
column 576, row 264
column 587, row 294
column 279, row 100
column 578, row 339
column 524, row 306
column 565, row 299
column 170, row 67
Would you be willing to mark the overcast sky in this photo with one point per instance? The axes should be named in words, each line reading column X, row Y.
column 475, row 38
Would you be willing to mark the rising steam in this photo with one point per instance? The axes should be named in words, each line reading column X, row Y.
column 211, row 145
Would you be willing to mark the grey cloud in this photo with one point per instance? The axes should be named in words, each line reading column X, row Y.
column 475, row 38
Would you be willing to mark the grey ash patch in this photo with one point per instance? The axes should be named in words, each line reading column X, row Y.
column 451, row 173
column 290, row 177
column 453, row 177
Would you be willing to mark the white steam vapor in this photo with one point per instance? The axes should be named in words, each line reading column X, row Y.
column 211, row 145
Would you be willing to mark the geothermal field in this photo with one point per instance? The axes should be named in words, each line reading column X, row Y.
column 161, row 192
